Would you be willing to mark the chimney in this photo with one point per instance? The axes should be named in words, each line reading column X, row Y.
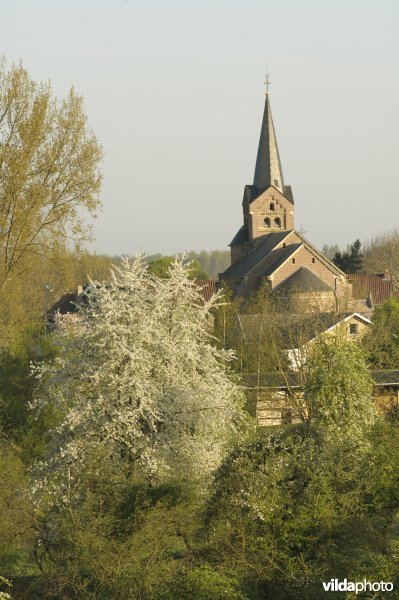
column 370, row 302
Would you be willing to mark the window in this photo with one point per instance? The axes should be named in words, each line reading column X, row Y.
column 277, row 222
column 313, row 260
column 293, row 261
column 353, row 328
column 271, row 205
column 267, row 222
column 283, row 244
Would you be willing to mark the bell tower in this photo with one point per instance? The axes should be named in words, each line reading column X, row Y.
column 268, row 204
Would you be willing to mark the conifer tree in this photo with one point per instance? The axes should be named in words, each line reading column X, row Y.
column 350, row 262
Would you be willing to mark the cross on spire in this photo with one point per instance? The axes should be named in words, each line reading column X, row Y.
column 267, row 81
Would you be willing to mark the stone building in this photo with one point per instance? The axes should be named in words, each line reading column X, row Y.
column 267, row 248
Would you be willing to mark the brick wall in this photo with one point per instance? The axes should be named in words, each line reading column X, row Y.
column 272, row 205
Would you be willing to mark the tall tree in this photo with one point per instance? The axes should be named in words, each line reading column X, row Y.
column 338, row 388
column 382, row 254
column 49, row 170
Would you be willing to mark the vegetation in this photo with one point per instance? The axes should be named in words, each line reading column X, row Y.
column 49, row 176
column 304, row 503
column 161, row 268
column 381, row 254
column 155, row 390
column 382, row 342
column 205, row 265
column 128, row 467
column 352, row 261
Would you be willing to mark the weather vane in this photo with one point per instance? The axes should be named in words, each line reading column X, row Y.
column 267, row 80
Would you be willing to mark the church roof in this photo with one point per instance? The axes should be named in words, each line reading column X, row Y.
column 265, row 248
column 278, row 257
column 268, row 170
column 240, row 237
column 303, row 280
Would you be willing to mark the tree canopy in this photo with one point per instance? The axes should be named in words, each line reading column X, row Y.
column 49, row 170
column 382, row 254
column 160, row 267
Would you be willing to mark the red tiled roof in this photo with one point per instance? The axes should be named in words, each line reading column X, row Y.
column 379, row 285
column 208, row 288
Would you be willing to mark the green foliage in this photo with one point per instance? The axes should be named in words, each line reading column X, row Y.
column 338, row 388
column 49, row 179
column 49, row 170
column 160, row 267
column 295, row 508
column 204, row 582
column 16, row 391
column 382, row 341
column 350, row 262
column 118, row 538
column 16, row 523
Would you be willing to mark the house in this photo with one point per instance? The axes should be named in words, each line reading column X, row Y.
column 297, row 332
column 276, row 398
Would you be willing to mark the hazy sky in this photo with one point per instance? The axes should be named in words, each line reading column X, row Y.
column 174, row 91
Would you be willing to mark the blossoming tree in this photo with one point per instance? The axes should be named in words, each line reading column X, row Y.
column 139, row 376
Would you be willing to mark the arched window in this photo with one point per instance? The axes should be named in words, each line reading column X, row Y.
column 267, row 222
column 277, row 222
column 271, row 205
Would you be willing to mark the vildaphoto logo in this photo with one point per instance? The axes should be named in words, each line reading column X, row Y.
column 334, row 585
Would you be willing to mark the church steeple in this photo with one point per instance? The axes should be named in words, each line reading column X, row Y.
column 268, row 169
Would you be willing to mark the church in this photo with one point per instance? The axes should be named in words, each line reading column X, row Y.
column 268, row 249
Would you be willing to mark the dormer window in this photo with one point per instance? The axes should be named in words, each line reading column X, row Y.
column 272, row 206
column 267, row 222
column 277, row 222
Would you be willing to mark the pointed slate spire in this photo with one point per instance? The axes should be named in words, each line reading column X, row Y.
column 268, row 169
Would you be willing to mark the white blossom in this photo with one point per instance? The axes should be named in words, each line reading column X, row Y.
column 138, row 374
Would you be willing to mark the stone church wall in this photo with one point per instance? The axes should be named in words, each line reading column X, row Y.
column 270, row 205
